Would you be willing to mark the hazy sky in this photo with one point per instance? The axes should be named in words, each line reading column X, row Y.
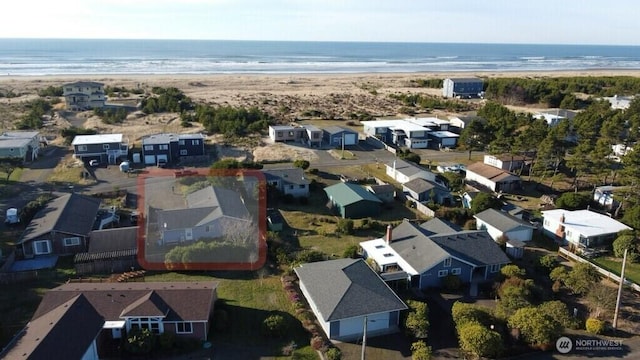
column 484, row 21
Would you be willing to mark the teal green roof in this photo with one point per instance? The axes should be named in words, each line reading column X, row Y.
column 347, row 193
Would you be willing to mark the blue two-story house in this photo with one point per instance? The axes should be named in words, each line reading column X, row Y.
column 172, row 148
column 426, row 254
column 106, row 148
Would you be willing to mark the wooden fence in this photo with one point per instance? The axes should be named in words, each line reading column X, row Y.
column 421, row 207
column 606, row 273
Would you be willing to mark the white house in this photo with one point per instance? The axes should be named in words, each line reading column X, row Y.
column 346, row 294
column 83, row 95
column 404, row 171
column 500, row 224
column 619, row 102
column 505, row 161
column 582, row 228
column 553, row 117
column 491, row 177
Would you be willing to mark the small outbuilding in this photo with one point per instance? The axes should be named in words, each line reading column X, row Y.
column 352, row 201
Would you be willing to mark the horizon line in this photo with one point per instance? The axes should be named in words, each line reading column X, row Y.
column 322, row 41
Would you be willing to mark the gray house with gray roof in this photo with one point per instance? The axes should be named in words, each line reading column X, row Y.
column 429, row 252
column 500, row 224
column 289, row 181
column 62, row 227
column 211, row 213
column 345, row 293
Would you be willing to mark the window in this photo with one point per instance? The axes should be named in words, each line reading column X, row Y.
column 443, row 273
column 105, row 146
column 494, row 268
column 42, row 247
column 316, row 135
column 82, row 147
column 184, row 328
column 379, row 246
column 207, row 228
column 303, row 186
column 181, row 142
column 152, row 324
column 195, row 142
column 71, row 241
column 163, row 147
column 183, row 152
column 290, row 187
column 388, row 255
column 456, row 271
column 11, row 150
column 447, row 262
column 279, row 134
column 290, row 133
column 148, row 147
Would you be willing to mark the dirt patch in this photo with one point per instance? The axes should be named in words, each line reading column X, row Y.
column 283, row 152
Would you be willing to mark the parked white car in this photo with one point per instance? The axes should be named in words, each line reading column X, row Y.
column 12, row 216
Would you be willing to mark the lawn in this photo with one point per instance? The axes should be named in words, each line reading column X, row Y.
column 248, row 298
column 631, row 272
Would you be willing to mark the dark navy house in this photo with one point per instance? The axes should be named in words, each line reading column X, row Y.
column 171, row 148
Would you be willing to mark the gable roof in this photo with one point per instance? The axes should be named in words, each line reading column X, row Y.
column 65, row 332
column 420, row 185
column 230, row 202
column 413, row 245
column 113, row 301
column 347, row 193
column 69, row 213
column 381, row 189
column 405, row 167
column 423, row 249
column 473, row 246
column 347, row 288
column 149, row 305
column 440, row 226
column 501, row 220
column 289, row 175
column 115, row 239
column 489, row 172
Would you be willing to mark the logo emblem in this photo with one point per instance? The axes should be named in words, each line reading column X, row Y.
column 564, row 345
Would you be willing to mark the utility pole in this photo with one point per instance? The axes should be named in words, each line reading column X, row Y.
column 615, row 314
column 364, row 337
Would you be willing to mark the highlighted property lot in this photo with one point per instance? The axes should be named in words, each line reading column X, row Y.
column 202, row 219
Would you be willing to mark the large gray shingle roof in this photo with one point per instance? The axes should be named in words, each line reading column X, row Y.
column 347, row 288
column 69, row 213
column 423, row 249
column 501, row 220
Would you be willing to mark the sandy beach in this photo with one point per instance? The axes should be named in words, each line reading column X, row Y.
column 290, row 97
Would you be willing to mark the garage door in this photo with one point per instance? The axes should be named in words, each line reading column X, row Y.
column 350, row 139
column 449, row 142
column 149, row 159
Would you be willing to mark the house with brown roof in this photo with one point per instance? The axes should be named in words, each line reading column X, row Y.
column 85, row 320
column 481, row 175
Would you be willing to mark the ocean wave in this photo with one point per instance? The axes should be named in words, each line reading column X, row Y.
column 90, row 57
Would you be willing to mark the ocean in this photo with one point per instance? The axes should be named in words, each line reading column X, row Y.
column 31, row 57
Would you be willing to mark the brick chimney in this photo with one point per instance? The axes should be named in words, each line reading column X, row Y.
column 388, row 237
